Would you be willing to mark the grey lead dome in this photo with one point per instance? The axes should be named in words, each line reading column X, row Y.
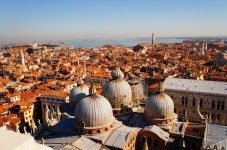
column 159, row 106
column 93, row 112
column 77, row 93
column 137, row 89
column 118, row 91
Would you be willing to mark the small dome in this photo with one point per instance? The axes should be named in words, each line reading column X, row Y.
column 137, row 90
column 159, row 106
column 94, row 112
column 118, row 91
column 77, row 93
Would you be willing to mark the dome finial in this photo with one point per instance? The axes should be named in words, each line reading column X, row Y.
column 80, row 81
column 117, row 74
column 92, row 90
column 131, row 75
column 161, row 87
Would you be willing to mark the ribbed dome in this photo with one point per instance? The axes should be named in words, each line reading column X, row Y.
column 159, row 106
column 137, row 88
column 94, row 111
column 78, row 93
column 118, row 91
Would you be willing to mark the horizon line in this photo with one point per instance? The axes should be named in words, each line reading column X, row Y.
column 145, row 37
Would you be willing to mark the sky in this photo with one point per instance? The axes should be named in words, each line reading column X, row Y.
column 40, row 20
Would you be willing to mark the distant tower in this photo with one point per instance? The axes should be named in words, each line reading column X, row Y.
column 205, row 45
column 22, row 58
column 85, row 68
column 202, row 49
column 153, row 39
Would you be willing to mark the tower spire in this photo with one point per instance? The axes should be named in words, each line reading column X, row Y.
column 85, row 68
column 202, row 48
column 205, row 45
column 153, row 39
column 22, row 58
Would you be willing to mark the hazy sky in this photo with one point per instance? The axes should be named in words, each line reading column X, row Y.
column 28, row 20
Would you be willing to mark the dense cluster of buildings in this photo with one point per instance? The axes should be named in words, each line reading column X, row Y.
column 112, row 97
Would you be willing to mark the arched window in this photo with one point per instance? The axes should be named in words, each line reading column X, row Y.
column 82, row 124
column 193, row 102
column 184, row 112
column 89, row 132
column 213, row 116
column 183, row 100
column 201, row 102
column 155, row 143
column 219, row 105
column 98, row 131
column 222, row 105
column 149, row 141
column 215, row 147
column 143, row 139
column 218, row 117
column 213, row 104
column 186, row 100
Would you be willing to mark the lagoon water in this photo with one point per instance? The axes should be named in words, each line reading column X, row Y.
column 92, row 43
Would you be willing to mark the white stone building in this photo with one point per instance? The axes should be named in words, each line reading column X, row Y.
column 187, row 93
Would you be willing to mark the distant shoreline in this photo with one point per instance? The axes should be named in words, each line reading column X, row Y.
column 92, row 43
